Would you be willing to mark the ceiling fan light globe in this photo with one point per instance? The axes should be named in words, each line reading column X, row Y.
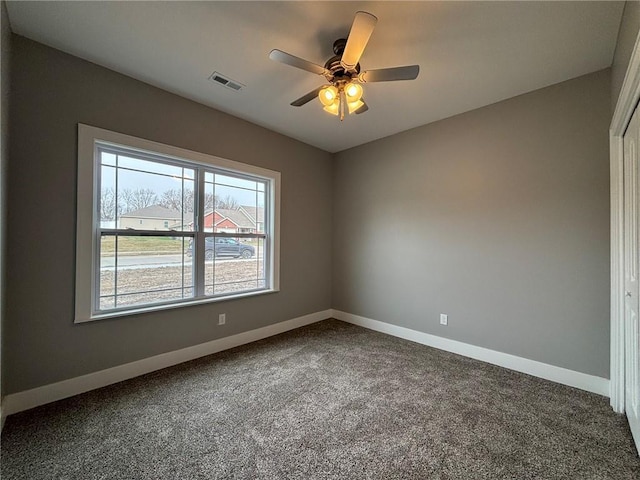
column 328, row 95
column 353, row 106
column 353, row 91
column 333, row 108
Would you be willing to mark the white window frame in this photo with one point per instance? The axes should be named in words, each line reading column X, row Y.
column 88, row 220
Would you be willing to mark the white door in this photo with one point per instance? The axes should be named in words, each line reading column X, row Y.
column 632, row 290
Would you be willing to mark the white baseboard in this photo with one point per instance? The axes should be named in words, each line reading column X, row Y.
column 35, row 397
column 17, row 402
column 561, row 375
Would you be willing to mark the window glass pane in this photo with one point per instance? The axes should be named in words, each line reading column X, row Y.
column 254, row 209
column 158, row 168
column 233, row 205
column 233, row 265
column 144, row 270
column 211, row 217
column 107, row 205
column 230, row 203
column 107, row 158
column 235, row 182
column 147, row 195
column 179, row 200
column 106, row 291
column 260, row 224
column 261, row 274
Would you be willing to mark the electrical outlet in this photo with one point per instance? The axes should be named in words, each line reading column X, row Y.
column 222, row 319
column 444, row 319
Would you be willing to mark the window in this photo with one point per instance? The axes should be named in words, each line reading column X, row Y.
column 161, row 227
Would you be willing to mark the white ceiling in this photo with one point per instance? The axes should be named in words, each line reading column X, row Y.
column 471, row 54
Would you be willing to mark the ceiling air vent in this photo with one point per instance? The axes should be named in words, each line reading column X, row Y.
column 225, row 81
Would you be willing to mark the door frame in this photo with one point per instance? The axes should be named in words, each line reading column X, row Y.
column 625, row 106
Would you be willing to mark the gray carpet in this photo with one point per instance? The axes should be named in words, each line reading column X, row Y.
column 330, row 400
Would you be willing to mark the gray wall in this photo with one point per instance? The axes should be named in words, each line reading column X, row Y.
column 498, row 217
column 5, row 51
column 51, row 93
column 629, row 27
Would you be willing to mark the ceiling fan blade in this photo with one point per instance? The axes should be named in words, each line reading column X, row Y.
column 288, row 59
column 306, row 98
column 363, row 108
column 410, row 72
column 361, row 29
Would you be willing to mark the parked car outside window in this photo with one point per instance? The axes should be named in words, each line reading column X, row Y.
column 224, row 247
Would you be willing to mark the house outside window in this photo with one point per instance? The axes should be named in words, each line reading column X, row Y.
column 161, row 227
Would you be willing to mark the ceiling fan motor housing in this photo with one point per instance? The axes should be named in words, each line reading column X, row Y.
column 337, row 71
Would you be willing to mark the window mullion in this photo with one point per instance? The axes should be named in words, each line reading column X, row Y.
column 199, row 267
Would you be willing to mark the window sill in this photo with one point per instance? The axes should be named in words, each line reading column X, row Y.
column 169, row 306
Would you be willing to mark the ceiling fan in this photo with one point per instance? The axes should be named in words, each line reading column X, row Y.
column 342, row 71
